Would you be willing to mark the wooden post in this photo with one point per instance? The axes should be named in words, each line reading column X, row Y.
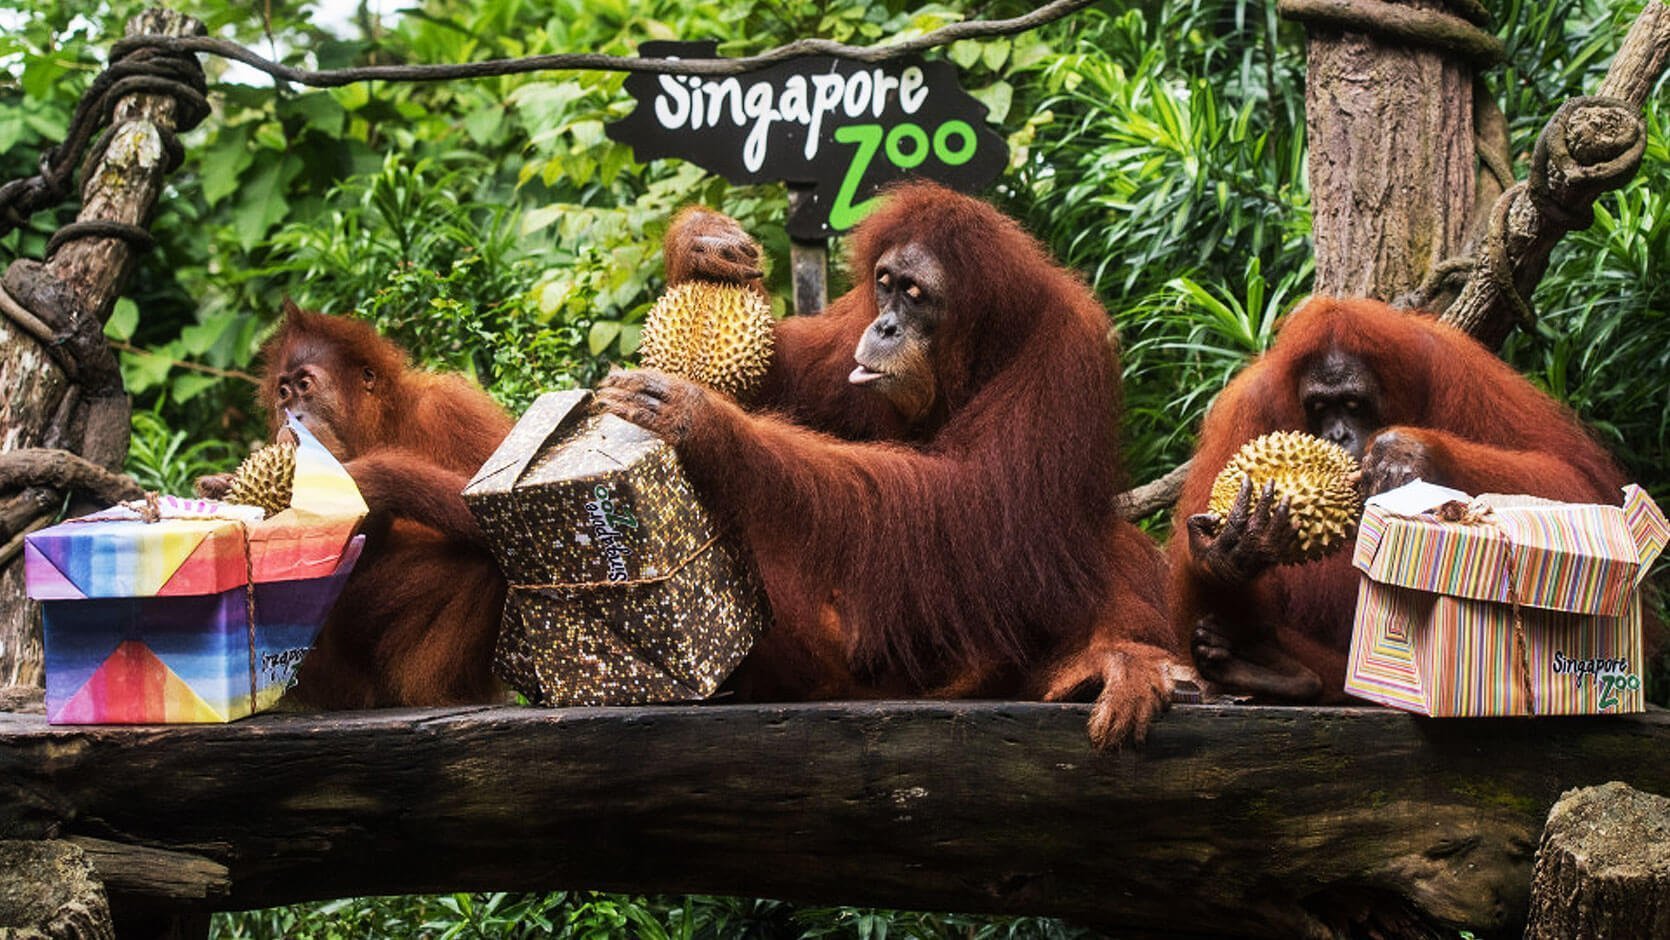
column 809, row 264
column 43, row 405
column 1603, row 868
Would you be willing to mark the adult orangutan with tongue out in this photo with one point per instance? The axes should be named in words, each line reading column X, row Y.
column 928, row 475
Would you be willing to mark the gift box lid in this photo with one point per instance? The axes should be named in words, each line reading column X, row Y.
column 198, row 545
column 575, row 497
column 553, row 415
column 1575, row 557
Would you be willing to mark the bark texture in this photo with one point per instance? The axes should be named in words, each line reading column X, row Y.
column 49, row 891
column 1392, row 163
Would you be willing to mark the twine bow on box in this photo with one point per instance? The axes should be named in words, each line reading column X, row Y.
column 1477, row 512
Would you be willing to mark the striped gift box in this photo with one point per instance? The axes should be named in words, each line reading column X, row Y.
column 1435, row 625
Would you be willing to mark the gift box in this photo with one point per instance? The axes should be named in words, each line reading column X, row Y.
column 1520, row 606
column 201, row 615
column 623, row 589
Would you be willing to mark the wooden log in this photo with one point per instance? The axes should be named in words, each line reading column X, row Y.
column 1271, row 822
column 44, row 406
column 48, row 890
column 155, row 876
column 1603, row 868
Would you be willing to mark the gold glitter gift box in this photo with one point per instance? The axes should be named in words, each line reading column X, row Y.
column 623, row 590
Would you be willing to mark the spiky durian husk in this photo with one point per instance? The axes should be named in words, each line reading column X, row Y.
column 1314, row 476
column 266, row 478
column 715, row 334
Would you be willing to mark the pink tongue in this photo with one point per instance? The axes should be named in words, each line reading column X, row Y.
column 864, row 376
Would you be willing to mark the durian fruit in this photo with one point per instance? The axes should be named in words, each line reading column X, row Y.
column 266, row 478
column 1314, row 476
column 715, row 334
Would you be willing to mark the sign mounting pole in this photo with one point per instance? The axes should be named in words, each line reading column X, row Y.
column 809, row 264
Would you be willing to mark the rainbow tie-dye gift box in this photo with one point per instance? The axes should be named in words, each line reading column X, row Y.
column 1531, row 608
column 150, row 621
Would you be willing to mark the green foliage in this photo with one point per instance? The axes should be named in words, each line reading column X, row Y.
column 166, row 460
column 584, row 915
column 1170, row 170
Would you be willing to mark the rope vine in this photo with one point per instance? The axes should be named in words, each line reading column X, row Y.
column 168, row 65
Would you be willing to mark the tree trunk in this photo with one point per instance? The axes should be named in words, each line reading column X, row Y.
column 72, row 397
column 1393, row 169
column 1603, row 869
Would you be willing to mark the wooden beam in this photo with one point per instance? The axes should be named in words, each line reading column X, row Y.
column 1256, row 821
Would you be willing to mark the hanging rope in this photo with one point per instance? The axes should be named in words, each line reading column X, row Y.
column 332, row 78
column 168, row 65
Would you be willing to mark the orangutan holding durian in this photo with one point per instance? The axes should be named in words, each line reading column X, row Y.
column 1316, row 477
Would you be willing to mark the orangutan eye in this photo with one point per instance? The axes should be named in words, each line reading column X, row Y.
column 884, row 279
column 304, row 385
column 913, row 292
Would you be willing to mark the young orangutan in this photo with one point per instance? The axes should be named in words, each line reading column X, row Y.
column 417, row 620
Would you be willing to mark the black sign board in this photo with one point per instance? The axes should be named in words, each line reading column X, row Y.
column 842, row 129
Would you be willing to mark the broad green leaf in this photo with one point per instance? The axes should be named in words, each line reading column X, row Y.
column 995, row 53
column 603, row 332
column 553, row 294
column 123, row 319
column 997, row 97
column 11, row 131
column 316, row 110
column 261, row 203
column 224, row 162
column 536, row 219
column 142, row 371
column 964, row 52
column 199, row 338
column 192, row 384
column 352, row 97
column 47, row 122
column 40, row 74
column 1026, row 55
column 484, row 125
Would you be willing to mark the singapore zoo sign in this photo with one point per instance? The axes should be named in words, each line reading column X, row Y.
column 838, row 130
